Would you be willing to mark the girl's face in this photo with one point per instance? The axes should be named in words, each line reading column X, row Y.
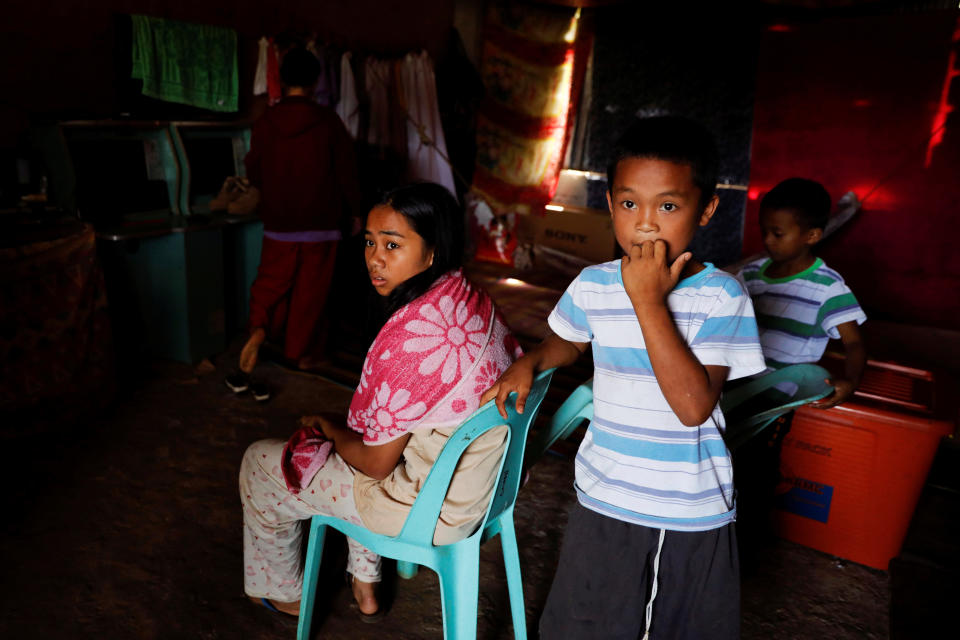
column 394, row 251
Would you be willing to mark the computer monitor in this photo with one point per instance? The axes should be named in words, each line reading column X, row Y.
column 212, row 155
column 117, row 177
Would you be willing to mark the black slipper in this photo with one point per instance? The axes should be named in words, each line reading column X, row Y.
column 237, row 382
column 260, row 391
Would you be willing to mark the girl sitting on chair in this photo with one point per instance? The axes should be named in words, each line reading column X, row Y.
column 442, row 346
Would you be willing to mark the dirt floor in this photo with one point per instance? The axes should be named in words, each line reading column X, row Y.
column 130, row 527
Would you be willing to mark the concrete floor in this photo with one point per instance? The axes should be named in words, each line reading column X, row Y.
column 130, row 527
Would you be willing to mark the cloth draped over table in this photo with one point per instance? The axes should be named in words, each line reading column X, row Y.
column 192, row 64
column 55, row 344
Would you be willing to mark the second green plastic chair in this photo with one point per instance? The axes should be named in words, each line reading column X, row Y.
column 752, row 406
column 748, row 408
column 575, row 409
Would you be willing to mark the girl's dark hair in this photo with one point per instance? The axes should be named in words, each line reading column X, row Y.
column 437, row 218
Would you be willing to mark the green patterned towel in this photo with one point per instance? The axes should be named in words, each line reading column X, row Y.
column 192, row 64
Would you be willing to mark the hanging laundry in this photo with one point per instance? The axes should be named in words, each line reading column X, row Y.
column 274, row 86
column 260, row 77
column 348, row 108
column 192, row 64
column 426, row 145
column 331, row 58
column 328, row 89
column 378, row 76
column 528, row 60
column 459, row 93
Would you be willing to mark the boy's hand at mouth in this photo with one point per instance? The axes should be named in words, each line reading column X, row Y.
column 647, row 277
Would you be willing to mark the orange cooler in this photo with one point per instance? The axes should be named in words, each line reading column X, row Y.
column 853, row 474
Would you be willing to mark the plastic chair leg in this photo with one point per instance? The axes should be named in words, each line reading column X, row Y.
column 511, row 563
column 459, row 594
column 407, row 570
column 311, row 571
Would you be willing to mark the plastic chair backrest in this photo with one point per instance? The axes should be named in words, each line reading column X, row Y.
column 575, row 409
column 510, row 474
column 422, row 519
column 811, row 384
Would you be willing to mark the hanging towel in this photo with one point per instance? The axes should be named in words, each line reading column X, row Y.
column 426, row 144
column 430, row 361
column 305, row 453
column 327, row 91
column 191, row 64
column 274, row 87
column 378, row 75
column 260, row 77
column 348, row 108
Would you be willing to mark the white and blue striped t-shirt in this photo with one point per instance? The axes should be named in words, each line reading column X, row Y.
column 638, row 463
column 799, row 314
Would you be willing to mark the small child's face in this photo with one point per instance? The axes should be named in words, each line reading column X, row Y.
column 784, row 238
column 652, row 199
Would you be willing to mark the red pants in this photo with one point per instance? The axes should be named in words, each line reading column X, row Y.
column 291, row 289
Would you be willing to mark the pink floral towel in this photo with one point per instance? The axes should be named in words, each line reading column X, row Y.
column 432, row 359
column 306, row 451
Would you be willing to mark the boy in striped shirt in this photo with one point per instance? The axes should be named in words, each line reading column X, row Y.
column 800, row 302
column 655, row 512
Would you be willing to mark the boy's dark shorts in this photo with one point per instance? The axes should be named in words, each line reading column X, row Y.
column 605, row 574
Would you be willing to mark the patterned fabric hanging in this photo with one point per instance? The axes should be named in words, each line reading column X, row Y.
column 527, row 68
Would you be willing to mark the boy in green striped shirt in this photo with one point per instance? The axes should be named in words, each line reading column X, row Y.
column 800, row 304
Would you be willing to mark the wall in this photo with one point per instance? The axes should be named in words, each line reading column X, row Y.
column 63, row 51
column 852, row 103
column 654, row 59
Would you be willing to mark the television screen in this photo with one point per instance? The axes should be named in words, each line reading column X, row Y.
column 211, row 162
column 116, row 177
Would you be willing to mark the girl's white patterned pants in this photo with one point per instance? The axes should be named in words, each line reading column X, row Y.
column 273, row 527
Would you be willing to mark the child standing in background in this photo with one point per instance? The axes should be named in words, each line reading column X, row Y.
column 302, row 160
column 801, row 304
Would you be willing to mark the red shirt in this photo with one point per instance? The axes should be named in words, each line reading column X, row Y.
column 302, row 160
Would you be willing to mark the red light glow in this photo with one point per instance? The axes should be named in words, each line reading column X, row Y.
column 944, row 108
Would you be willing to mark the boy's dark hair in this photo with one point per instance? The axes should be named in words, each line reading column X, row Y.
column 437, row 217
column 299, row 68
column 807, row 199
column 674, row 139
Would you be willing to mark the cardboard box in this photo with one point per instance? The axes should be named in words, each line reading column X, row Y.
column 585, row 233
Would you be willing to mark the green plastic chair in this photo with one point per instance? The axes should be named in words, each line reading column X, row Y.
column 748, row 408
column 752, row 406
column 457, row 564
column 575, row 409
